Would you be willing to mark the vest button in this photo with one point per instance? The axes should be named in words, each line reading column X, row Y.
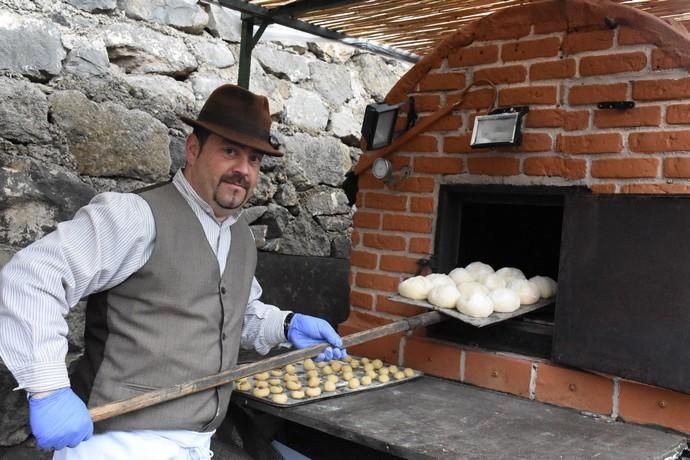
column 223, row 336
column 223, row 290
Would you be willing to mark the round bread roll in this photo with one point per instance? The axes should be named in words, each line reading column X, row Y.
column 312, row 373
column 290, row 369
column 368, row 367
column 297, row 394
column 439, row 279
column 329, row 387
column 261, row 392
column 277, row 372
column 508, row 273
column 399, row 375
column 393, row 368
column 261, row 384
column 332, row 378
column 527, row 290
column 336, row 366
column 479, row 270
column 327, row 370
column 408, row 372
column 479, row 305
column 274, row 381
column 309, row 364
column 444, row 296
column 280, row 398
column 261, row 376
column 363, row 360
column 505, row 300
column 292, row 385
column 384, row 371
column 365, row 380
column 321, row 364
column 372, row 374
column 416, row 288
column 347, row 375
column 313, row 391
column 354, row 364
column 314, row 382
column 346, row 368
column 348, row 358
column 353, row 383
column 244, row 386
column 378, row 364
column 460, row 275
column 467, row 289
column 275, row 389
column 493, row 281
column 547, row 286
column 291, row 378
column 383, row 378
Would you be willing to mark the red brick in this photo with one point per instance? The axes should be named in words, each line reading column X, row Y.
column 564, row 68
column 659, row 141
column 426, row 102
column 458, row 144
column 590, row 143
column 366, row 181
column 438, row 165
column 363, row 259
column 361, row 299
column 625, row 167
column 662, row 60
column 385, row 305
column 505, row 32
column 603, row 188
column 442, row 81
column 421, row 144
column 498, row 372
column 366, row 220
column 420, row 245
column 677, row 167
column 479, row 99
column 422, row 204
column 591, row 94
column 406, row 223
column 527, row 95
column 555, row 166
column 433, row 357
column 415, row 185
column 447, row 123
column 638, row 116
column 650, row 405
column 612, row 63
column 385, row 201
column 530, row 49
column 382, row 241
column 535, row 142
column 658, row 90
column 577, row 42
column 630, row 36
column 494, row 166
column 656, row 188
column 576, row 389
column 474, row 55
column 678, row 114
column 376, row 281
column 557, row 118
column 502, row 75
column 355, row 238
column 398, row 264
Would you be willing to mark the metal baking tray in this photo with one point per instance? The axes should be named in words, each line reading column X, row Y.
column 341, row 388
column 478, row 322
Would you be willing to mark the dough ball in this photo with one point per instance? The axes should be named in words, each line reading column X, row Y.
column 383, row 378
column 261, row 376
column 291, row 378
column 327, row 370
column 384, row 371
column 274, row 381
column 467, row 289
column 439, row 279
column 460, row 275
column 312, row 373
column 332, row 378
column 280, row 398
column 276, row 389
column 347, row 375
column 290, row 369
column 297, row 394
column 509, row 273
column 408, row 372
column 378, row 364
column 527, row 290
column 243, row 379
column 444, row 296
column 393, row 369
column 336, row 366
column 399, row 375
column 329, row 387
column 313, row 391
column 479, row 270
column 261, row 392
column 416, row 288
column 321, row 364
column 372, row 374
column 353, row 383
column 494, row 281
column 354, row 364
column 505, row 300
column 309, row 364
column 348, row 358
column 365, row 380
column 368, row 367
column 244, row 386
column 346, row 369
column 314, row 382
column 261, row 384
column 364, row 361
column 277, row 372
column 547, row 286
column 479, row 305
column 292, row 385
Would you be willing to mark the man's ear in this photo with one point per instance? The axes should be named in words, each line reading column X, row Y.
column 192, row 149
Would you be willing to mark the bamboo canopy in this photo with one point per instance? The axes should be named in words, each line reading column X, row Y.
column 414, row 27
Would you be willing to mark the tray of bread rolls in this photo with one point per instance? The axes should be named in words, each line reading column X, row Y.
column 477, row 294
column 307, row 381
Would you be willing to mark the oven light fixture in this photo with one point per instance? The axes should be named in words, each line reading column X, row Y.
column 378, row 127
column 499, row 128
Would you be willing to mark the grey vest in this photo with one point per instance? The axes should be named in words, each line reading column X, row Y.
column 174, row 320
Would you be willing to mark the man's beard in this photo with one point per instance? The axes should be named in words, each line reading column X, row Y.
column 236, row 179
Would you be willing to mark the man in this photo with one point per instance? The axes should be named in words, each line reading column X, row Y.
column 169, row 272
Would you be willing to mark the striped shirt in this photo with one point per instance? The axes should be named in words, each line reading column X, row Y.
column 106, row 241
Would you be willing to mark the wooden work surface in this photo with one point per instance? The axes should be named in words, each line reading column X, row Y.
column 434, row 418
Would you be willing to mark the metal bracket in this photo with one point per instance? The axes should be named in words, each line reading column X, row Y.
column 616, row 105
column 248, row 41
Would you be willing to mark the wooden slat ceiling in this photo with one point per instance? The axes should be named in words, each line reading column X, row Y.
column 414, row 26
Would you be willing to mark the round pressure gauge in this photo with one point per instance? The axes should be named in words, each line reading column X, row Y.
column 382, row 168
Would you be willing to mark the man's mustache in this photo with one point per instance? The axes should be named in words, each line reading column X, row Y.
column 236, row 179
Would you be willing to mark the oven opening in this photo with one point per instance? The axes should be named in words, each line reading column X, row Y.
column 503, row 226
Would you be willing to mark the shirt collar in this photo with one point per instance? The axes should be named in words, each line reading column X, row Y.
column 193, row 198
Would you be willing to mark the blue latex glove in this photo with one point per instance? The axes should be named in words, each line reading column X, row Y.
column 306, row 331
column 59, row 420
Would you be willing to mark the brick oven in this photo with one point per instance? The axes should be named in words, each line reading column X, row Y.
column 585, row 188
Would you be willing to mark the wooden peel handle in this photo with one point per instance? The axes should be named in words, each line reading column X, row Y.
column 204, row 383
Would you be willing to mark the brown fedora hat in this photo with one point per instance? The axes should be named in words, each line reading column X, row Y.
column 238, row 115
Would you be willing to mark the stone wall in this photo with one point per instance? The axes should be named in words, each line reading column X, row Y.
column 91, row 92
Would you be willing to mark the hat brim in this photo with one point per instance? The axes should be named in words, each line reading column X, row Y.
column 235, row 136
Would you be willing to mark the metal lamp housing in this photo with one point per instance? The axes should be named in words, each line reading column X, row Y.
column 379, row 125
column 497, row 130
